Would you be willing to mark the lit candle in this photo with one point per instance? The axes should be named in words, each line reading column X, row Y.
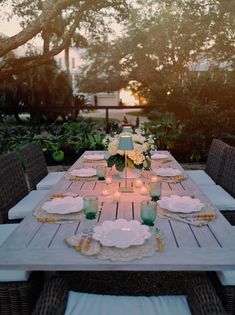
column 116, row 195
column 154, row 179
column 105, row 192
column 144, row 190
column 138, row 183
column 108, row 180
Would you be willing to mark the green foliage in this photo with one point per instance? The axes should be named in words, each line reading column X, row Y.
column 117, row 160
column 165, row 128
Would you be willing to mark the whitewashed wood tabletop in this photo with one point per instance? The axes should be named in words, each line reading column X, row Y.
column 41, row 246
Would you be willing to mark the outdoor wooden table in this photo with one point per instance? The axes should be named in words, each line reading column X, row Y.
column 41, row 246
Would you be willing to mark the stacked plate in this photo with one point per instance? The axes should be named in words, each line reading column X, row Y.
column 84, row 172
column 63, row 205
column 159, row 156
column 180, row 204
column 121, row 233
column 94, row 157
column 167, row 172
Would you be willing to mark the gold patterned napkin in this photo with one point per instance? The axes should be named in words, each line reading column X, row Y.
column 44, row 216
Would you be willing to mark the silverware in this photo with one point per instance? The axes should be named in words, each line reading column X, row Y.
column 84, row 234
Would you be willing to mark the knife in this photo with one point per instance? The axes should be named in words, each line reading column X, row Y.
column 159, row 240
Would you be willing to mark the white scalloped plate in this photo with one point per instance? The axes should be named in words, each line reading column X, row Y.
column 183, row 204
column 94, row 157
column 167, row 171
column 84, row 172
column 159, row 156
column 63, row 205
column 121, row 233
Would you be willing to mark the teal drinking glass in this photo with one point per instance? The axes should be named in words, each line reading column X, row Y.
column 148, row 212
column 90, row 206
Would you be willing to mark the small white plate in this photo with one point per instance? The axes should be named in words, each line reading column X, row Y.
column 159, row 156
column 167, row 171
column 84, row 172
column 121, row 233
column 182, row 204
column 94, row 157
column 63, row 205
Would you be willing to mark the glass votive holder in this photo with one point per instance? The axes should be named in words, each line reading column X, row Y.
column 108, row 180
column 117, row 196
column 138, row 183
column 148, row 212
column 90, row 206
column 143, row 190
column 100, row 172
column 155, row 190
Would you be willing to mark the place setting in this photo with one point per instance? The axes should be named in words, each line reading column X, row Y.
column 162, row 158
column 94, row 158
column 166, row 174
column 82, row 173
column 119, row 240
column 186, row 209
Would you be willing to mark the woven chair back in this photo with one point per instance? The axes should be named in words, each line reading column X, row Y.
column 227, row 180
column 13, row 185
column 215, row 160
column 35, row 163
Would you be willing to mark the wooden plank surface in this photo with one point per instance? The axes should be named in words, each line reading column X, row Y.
column 41, row 246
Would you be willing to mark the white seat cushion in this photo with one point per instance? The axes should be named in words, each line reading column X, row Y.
column 87, row 304
column 12, row 275
column 227, row 277
column 218, row 197
column 200, row 177
column 50, row 180
column 27, row 204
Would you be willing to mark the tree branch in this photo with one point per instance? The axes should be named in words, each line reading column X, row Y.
column 50, row 10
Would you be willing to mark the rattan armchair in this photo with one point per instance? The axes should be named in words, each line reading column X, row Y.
column 16, row 200
column 36, row 168
column 202, row 298
column 13, row 186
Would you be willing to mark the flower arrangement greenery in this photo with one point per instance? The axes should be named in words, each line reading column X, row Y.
column 138, row 158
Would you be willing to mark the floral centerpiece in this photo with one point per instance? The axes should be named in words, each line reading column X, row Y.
column 139, row 158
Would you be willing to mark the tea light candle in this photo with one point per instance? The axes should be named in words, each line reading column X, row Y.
column 108, row 180
column 116, row 195
column 144, row 190
column 105, row 192
column 154, row 179
column 138, row 183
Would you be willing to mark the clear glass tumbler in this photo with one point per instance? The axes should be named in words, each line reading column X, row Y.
column 155, row 190
column 100, row 172
column 148, row 212
column 90, row 206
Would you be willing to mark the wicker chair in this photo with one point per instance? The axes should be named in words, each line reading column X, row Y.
column 16, row 201
column 201, row 295
column 36, row 167
column 214, row 165
column 19, row 290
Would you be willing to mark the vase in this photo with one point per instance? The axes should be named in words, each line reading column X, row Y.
column 131, row 173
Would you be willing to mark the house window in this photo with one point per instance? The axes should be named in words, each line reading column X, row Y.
column 73, row 63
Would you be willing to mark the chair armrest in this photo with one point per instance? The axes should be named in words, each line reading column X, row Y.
column 53, row 298
column 202, row 297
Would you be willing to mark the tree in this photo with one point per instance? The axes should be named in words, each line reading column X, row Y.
column 85, row 15
column 162, row 39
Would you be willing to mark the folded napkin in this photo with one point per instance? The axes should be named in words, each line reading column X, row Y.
column 79, row 179
column 44, row 216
